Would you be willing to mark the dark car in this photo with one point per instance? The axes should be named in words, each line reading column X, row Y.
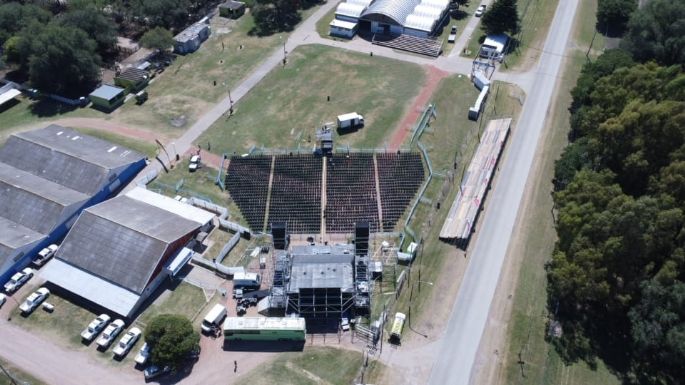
column 154, row 371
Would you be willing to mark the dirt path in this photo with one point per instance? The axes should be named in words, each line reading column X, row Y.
column 433, row 77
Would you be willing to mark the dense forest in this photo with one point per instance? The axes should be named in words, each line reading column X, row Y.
column 616, row 279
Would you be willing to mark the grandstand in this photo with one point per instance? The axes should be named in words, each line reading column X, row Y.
column 296, row 193
column 400, row 175
column 247, row 180
column 290, row 189
column 351, row 193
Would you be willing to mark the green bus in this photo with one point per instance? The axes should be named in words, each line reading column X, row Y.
column 264, row 329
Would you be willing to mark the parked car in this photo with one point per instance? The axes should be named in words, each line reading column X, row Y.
column 18, row 280
column 32, row 302
column 453, row 34
column 194, row 163
column 3, row 298
column 110, row 333
column 126, row 342
column 143, row 354
column 481, row 10
column 345, row 324
column 95, row 327
column 154, row 371
column 44, row 255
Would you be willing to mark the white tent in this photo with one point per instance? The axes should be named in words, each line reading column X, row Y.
column 421, row 23
column 349, row 10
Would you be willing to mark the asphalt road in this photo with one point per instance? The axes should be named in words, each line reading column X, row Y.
column 460, row 343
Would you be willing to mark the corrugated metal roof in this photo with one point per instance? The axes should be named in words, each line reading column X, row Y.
column 321, row 275
column 421, row 23
column 94, row 289
column 107, row 92
column 398, row 10
column 123, row 241
column 39, row 186
column 181, row 209
column 133, row 74
column 191, row 32
column 14, row 235
column 66, row 157
column 350, row 10
column 28, row 209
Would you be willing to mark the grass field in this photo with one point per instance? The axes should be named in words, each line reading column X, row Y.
column 528, row 321
column 285, row 108
column 183, row 299
column 18, row 376
column 315, row 365
column 536, row 17
column 185, row 88
column 323, row 25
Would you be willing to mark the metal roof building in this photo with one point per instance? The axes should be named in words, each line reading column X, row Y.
column 411, row 17
column 47, row 177
column 120, row 251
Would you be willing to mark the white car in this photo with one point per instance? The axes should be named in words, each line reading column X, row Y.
column 45, row 254
column 194, row 163
column 110, row 333
column 143, row 354
column 481, row 10
column 32, row 302
column 345, row 324
column 18, row 280
column 126, row 342
column 94, row 327
column 3, row 298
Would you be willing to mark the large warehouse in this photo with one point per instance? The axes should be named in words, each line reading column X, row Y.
column 47, row 176
column 420, row 18
column 120, row 251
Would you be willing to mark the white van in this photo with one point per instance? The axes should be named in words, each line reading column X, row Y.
column 247, row 280
column 214, row 318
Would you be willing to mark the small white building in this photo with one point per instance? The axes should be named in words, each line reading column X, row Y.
column 494, row 46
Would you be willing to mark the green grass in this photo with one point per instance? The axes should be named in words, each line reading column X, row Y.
column 25, row 113
column 142, row 147
column 528, row 318
column 327, row 366
column 450, row 137
column 323, row 25
column 461, row 19
column 183, row 299
column 536, row 17
column 18, row 376
column 285, row 108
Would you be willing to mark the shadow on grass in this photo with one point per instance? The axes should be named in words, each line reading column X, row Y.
column 9, row 104
column 46, row 108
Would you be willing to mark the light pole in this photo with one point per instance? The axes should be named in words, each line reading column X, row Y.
column 173, row 145
column 285, row 53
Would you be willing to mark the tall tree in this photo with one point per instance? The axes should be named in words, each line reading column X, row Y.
column 96, row 24
column 613, row 15
column 170, row 14
column 157, row 38
column 15, row 16
column 657, row 32
column 171, row 339
column 502, row 17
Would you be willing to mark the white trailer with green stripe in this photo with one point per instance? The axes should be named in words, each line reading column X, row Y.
column 264, row 329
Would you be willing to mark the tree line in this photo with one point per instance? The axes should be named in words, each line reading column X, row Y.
column 616, row 279
column 60, row 48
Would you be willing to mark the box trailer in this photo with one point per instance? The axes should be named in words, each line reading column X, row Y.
column 397, row 326
column 350, row 121
column 247, row 280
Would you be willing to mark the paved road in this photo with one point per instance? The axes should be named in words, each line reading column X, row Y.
column 469, row 315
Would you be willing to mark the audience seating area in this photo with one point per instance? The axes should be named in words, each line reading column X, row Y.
column 421, row 45
column 247, row 180
column 400, row 176
column 296, row 193
column 350, row 193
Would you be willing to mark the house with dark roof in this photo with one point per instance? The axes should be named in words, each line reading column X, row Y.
column 232, row 9
column 47, row 177
column 132, row 79
column 120, row 251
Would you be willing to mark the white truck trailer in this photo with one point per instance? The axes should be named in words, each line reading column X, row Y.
column 350, row 121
